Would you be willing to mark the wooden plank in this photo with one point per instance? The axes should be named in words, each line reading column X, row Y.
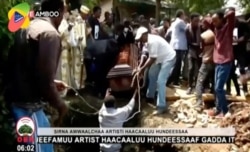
column 210, row 97
column 173, row 94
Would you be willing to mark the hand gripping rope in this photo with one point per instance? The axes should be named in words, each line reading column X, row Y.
column 136, row 78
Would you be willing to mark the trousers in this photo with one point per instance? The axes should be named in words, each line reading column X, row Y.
column 40, row 120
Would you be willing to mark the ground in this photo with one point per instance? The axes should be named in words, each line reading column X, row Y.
column 82, row 115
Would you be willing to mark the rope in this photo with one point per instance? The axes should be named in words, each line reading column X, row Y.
column 83, row 99
column 136, row 77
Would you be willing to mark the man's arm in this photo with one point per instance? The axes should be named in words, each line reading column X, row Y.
column 144, row 56
column 142, row 60
column 152, row 48
column 127, row 109
column 49, row 50
column 108, row 93
column 148, row 63
column 188, row 35
column 230, row 17
column 182, row 25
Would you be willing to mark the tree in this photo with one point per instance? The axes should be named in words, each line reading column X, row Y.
column 199, row 6
column 76, row 4
column 157, row 11
column 245, row 4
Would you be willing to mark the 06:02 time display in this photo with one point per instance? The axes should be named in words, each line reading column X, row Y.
column 26, row 148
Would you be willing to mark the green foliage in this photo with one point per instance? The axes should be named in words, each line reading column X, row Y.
column 25, row 129
column 199, row 6
column 91, row 3
column 245, row 4
column 74, row 4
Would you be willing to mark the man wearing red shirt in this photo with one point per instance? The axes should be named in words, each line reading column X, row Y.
column 223, row 57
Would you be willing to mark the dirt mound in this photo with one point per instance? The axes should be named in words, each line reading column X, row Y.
column 240, row 120
column 183, row 113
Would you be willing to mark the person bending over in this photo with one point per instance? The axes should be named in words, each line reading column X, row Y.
column 112, row 117
column 162, row 55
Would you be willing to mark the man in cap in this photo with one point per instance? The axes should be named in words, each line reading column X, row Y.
column 164, row 56
column 84, row 13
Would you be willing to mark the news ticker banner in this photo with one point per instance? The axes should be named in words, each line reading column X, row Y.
column 135, row 135
column 136, row 131
column 28, row 135
column 135, row 139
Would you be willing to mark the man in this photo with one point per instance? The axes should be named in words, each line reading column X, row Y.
column 95, row 24
column 240, row 52
column 152, row 23
column 125, row 36
column 193, row 32
column 150, row 75
column 32, row 67
column 223, row 57
column 106, row 17
column 206, row 71
column 162, row 30
column 81, row 32
column 112, row 117
column 179, row 43
column 108, row 26
column 63, row 71
column 162, row 54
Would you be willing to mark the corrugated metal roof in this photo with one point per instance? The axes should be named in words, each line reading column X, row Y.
column 150, row 2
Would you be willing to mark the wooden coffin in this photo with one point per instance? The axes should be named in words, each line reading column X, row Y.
column 120, row 76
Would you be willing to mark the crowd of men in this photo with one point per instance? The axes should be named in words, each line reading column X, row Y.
column 211, row 47
column 55, row 48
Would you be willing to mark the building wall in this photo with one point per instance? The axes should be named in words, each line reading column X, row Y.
column 106, row 5
column 126, row 9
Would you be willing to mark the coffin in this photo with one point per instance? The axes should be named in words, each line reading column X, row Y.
column 120, row 76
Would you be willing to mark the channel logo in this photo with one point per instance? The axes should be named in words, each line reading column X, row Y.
column 25, row 129
column 19, row 17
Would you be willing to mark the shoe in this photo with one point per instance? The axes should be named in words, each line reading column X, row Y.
column 159, row 112
column 245, row 89
column 212, row 91
column 199, row 103
column 228, row 92
column 176, row 84
column 189, row 91
column 213, row 112
column 220, row 116
column 150, row 100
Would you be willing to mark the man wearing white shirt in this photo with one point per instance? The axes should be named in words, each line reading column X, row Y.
column 163, row 55
column 179, row 43
column 112, row 117
column 151, row 77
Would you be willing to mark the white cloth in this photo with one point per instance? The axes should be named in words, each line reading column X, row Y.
column 72, row 39
column 160, row 49
column 114, row 118
column 178, row 36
